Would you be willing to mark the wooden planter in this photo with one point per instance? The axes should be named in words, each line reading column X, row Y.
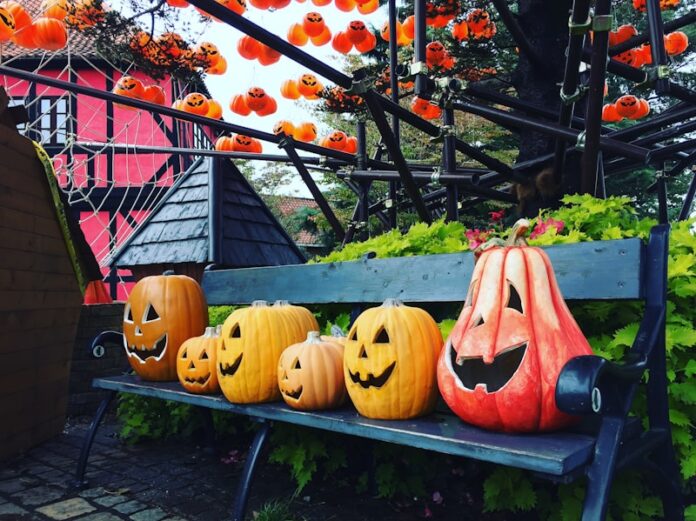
column 39, row 300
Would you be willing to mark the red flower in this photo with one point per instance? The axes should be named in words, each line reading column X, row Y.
column 477, row 237
column 543, row 226
column 497, row 216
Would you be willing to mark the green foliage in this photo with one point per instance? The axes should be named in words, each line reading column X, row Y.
column 275, row 510
column 146, row 418
column 218, row 314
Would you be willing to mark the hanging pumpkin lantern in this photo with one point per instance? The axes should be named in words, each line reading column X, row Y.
column 162, row 312
column 238, row 105
column 368, row 44
column 629, row 57
column 154, row 94
column 345, row 5
column 389, row 362
column 253, row 339
column 609, row 114
column 460, row 31
column 256, row 98
column 25, row 37
column 501, row 362
column 248, row 48
column 261, row 4
column 323, row 38
column 219, row 68
column 178, row 3
column 313, row 24
column 284, row 127
column 409, row 27
column 268, row 56
column 676, row 43
column 50, row 34
column 309, row 85
column 310, row 374
column 432, row 112
column 269, row 108
column 208, row 53
column 321, row 3
column 57, row 9
column 196, row 103
column 434, row 53
column 356, row 31
column 419, row 105
column 242, row 143
column 129, row 86
column 621, row 34
column 368, row 7
column 224, row 144
column 214, row 109
column 297, row 35
column 305, row 132
column 341, row 43
column 237, row 6
column 642, row 111
column 7, row 25
column 195, row 363
column 20, row 16
column 337, row 140
column 384, row 32
column 289, row 90
column 477, row 20
column 627, row 105
column 351, row 145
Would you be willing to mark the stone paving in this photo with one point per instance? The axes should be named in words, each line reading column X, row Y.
column 148, row 482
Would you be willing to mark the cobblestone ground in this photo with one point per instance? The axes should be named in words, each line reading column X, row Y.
column 141, row 483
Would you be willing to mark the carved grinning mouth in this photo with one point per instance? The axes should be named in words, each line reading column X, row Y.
column 295, row 395
column 142, row 353
column 201, row 380
column 371, row 380
column 231, row 369
column 472, row 372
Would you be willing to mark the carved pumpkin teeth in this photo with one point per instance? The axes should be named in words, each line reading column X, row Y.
column 372, row 380
column 231, row 369
column 295, row 395
column 474, row 373
column 143, row 352
column 201, row 380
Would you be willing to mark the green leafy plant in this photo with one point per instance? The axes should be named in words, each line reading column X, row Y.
column 276, row 510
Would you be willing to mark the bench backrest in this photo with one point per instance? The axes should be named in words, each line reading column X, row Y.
column 585, row 271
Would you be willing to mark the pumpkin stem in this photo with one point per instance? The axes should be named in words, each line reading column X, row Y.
column 516, row 237
column 218, row 330
column 392, row 303
column 281, row 303
column 313, row 337
column 259, row 304
column 210, row 332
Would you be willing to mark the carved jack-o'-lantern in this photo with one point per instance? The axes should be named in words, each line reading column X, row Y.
column 253, row 339
column 162, row 312
column 434, row 53
column 208, row 53
column 256, row 98
column 7, row 25
column 284, row 127
column 310, row 374
column 477, row 20
column 129, row 86
column 305, row 132
column 627, row 105
column 308, row 85
column 196, row 103
column 336, row 140
column 500, row 365
column 313, row 24
column 356, row 31
column 389, row 362
column 195, row 363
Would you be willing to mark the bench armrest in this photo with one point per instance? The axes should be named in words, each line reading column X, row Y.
column 592, row 384
column 97, row 346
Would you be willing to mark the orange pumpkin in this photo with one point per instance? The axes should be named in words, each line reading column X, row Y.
column 308, row 85
column 154, row 94
column 337, row 140
column 237, row 6
column 161, row 313
column 676, row 43
column 243, row 143
column 313, row 24
column 345, row 5
column 214, row 109
column 623, row 33
column 499, row 367
column 297, row 35
column 7, row 25
column 248, row 48
column 177, row 3
column 419, row 105
column 432, row 112
column 25, row 37
column 368, row 44
column 20, row 15
column 269, row 108
column 323, row 38
column 196, row 103
column 434, row 53
column 219, row 68
column 643, row 109
column 408, row 27
column 627, row 105
column 305, row 132
column 195, row 363
column 460, row 31
column 256, row 98
column 57, row 9
column 630, row 57
column 609, row 113
column 356, row 31
column 256, row 146
column 289, row 90
column 321, row 3
column 351, row 145
column 268, row 56
column 341, row 43
column 238, row 105
column 130, row 87
column 208, row 53
column 284, row 127
column 368, row 7
column 261, row 4
column 224, row 144
column 50, row 34
column 477, row 20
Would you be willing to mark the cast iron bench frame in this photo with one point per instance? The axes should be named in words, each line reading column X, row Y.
column 588, row 385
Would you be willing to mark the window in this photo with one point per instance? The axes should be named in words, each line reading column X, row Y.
column 51, row 118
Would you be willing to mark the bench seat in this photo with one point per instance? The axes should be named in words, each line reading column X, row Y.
column 556, row 454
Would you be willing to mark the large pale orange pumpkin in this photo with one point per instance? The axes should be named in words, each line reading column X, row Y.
column 500, row 365
column 50, row 34
column 253, row 339
column 195, row 363
column 310, row 374
column 389, row 362
column 162, row 312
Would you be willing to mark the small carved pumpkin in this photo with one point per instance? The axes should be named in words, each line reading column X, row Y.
column 409, row 27
column 289, row 90
column 297, row 35
column 356, row 31
column 609, row 113
column 129, row 86
column 269, row 108
column 154, row 94
column 196, row 103
column 284, row 127
column 345, row 5
column 243, row 143
column 308, row 85
column 368, row 44
column 460, row 31
column 337, row 140
column 368, row 7
column 313, row 24
column 477, row 20
column 630, row 57
column 219, row 68
column 305, row 132
column 268, row 56
column 676, row 43
column 236, row 6
column 501, row 362
column 7, row 25
column 214, row 109
column 195, row 363
column 389, row 362
column 253, row 339
column 323, row 38
column 238, row 105
column 341, row 43
column 627, row 105
column 208, row 53
column 643, row 109
column 224, row 144
column 162, row 311
column 310, row 374
column 256, row 98
column 434, row 53
column 248, row 48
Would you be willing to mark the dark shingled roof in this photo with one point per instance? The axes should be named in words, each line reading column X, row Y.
column 178, row 228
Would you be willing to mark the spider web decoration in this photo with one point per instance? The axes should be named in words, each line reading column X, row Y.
column 110, row 184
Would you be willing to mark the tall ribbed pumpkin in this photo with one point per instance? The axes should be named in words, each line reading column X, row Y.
column 389, row 362
column 310, row 374
column 253, row 339
column 515, row 333
column 162, row 311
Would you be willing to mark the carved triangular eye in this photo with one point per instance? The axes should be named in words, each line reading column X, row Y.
column 362, row 353
column 479, row 321
column 128, row 314
column 353, row 334
column 204, row 355
column 184, row 354
column 382, row 337
column 150, row 314
column 470, row 293
column 514, row 300
column 235, row 333
column 297, row 364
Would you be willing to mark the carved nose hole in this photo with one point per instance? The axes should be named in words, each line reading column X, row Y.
column 191, row 366
column 363, row 353
column 138, row 331
column 479, row 321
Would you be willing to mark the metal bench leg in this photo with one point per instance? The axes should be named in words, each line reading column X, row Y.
column 242, row 495
column 208, row 430
column 664, row 479
column 79, row 481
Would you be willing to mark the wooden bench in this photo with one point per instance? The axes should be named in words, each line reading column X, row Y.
column 589, row 385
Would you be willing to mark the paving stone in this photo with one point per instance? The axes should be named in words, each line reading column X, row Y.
column 110, row 500
column 38, row 495
column 8, row 473
column 40, row 469
column 67, row 509
column 10, row 486
column 175, row 518
column 92, row 492
column 130, row 507
column 100, row 516
column 151, row 514
column 10, row 509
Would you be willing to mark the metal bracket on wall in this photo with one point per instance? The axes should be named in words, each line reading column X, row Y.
column 569, row 99
column 445, row 131
column 580, row 143
column 579, row 28
column 602, row 23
